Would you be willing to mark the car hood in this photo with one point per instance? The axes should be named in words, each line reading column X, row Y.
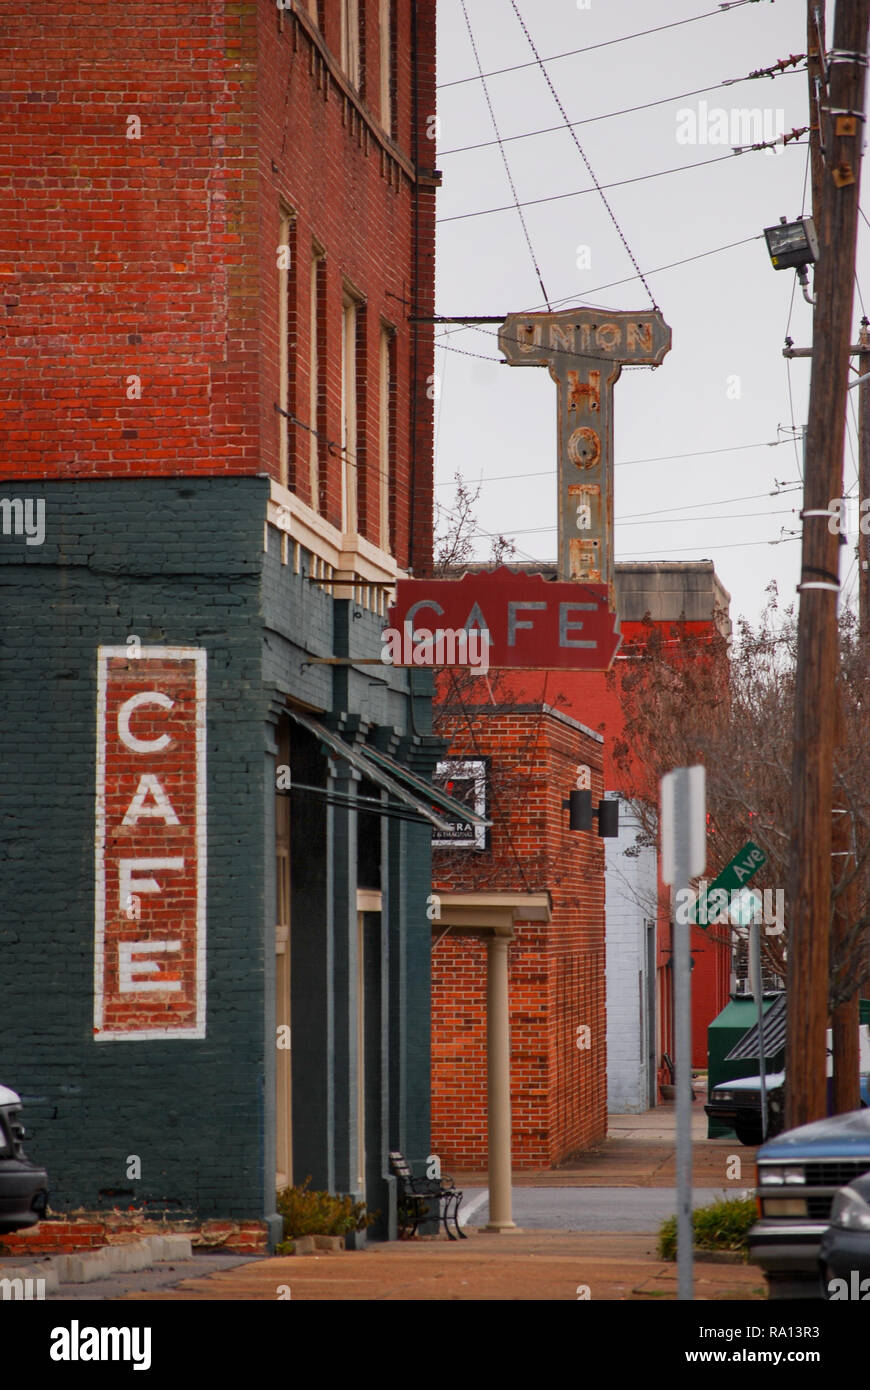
column 773, row 1080
column 839, row 1136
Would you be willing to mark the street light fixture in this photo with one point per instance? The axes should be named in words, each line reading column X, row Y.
column 793, row 245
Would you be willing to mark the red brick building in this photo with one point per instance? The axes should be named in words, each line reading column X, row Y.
column 556, row 967
column 560, row 1104
column 217, row 236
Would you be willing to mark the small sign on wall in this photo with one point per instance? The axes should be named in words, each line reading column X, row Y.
column 465, row 780
column 150, row 842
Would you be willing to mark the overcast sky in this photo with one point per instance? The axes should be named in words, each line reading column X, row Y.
column 725, row 384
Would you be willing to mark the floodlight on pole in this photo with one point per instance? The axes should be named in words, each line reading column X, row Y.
column 793, row 245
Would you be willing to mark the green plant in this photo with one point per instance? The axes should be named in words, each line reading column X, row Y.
column 723, row 1225
column 308, row 1213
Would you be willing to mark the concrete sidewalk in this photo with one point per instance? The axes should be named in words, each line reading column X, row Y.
column 538, row 1266
column 640, row 1151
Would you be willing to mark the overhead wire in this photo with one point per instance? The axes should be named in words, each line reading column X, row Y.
column 605, row 116
column 596, row 188
column 571, row 131
column 517, row 204
column 607, row 43
column 597, row 289
column 658, row 458
column 664, row 521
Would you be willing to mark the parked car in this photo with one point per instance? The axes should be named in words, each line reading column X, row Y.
column 23, row 1185
column 845, row 1250
column 738, row 1104
column 800, row 1174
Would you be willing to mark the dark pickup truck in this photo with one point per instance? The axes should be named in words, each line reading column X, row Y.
column 799, row 1174
column 23, row 1185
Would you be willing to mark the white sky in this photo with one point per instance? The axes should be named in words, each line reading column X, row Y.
column 729, row 312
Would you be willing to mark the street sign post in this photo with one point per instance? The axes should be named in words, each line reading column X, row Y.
column 746, row 862
column 684, row 826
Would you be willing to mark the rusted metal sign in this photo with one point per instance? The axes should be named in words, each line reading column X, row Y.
column 532, row 623
column 585, row 350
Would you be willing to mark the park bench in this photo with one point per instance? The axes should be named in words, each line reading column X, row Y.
column 416, row 1195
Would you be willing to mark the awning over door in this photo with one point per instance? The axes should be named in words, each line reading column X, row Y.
column 404, row 786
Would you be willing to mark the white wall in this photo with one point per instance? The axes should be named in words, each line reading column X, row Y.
column 630, row 886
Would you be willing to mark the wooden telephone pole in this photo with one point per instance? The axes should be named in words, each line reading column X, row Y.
column 842, row 131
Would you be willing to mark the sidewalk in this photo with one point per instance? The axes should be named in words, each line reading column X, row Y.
column 536, row 1265
column 640, row 1151
column 540, row 1265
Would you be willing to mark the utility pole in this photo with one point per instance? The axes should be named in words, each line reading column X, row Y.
column 842, row 127
column 864, row 486
column 845, row 1016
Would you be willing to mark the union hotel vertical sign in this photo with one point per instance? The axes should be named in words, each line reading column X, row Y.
column 149, row 959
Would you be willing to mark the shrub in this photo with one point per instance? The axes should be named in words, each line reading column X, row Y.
column 318, row 1214
column 723, row 1225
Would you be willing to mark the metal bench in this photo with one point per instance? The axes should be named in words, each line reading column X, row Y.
column 416, row 1194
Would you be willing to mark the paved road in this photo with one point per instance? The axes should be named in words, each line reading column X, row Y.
column 639, row 1210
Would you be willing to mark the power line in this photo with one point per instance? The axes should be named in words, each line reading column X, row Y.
column 485, row 357
column 608, row 43
column 563, row 113
column 659, row 458
column 503, row 153
column 597, row 289
column 580, row 192
column 682, row 550
column 664, row 521
column 606, row 116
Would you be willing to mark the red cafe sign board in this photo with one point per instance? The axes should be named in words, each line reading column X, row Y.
column 150, row 866
column 533, row 623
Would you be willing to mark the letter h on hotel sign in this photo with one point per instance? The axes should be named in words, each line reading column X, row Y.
column 585, row 350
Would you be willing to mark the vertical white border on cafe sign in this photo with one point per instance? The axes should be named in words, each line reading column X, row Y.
column 198, row 656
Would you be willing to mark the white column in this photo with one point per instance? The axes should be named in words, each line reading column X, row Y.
column 498, row 1059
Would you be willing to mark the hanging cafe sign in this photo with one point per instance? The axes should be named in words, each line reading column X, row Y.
column 512, row 620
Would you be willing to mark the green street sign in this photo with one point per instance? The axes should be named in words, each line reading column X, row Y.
column 745, row 863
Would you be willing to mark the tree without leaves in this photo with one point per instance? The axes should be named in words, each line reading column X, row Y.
column 685, row 702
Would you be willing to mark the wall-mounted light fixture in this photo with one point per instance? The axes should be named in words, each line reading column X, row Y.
column 581, row 811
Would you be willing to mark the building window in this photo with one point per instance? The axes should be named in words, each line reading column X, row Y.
column 286, row 258
column 386, row 437
column 316, row 358
column 349, row 403
column 350, row 45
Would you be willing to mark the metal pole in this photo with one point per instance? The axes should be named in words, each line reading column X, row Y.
column 683, row 1047
column 755, row 958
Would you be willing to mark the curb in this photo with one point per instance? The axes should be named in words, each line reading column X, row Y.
column 101, row 1264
